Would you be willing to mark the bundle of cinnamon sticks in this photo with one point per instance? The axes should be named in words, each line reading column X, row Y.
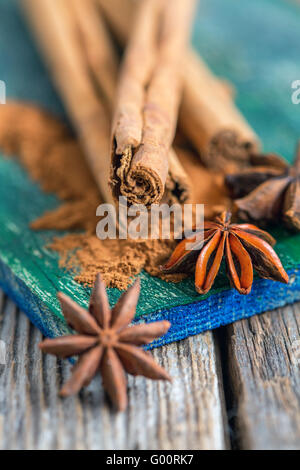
column 208, row 115
column 126, row 109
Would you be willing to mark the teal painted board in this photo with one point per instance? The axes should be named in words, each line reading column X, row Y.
column 261, row 66
column 256, row 46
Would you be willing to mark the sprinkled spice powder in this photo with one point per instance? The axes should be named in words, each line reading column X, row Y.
column 46, row 149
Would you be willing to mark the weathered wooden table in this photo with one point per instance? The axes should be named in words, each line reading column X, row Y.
column 238, row 387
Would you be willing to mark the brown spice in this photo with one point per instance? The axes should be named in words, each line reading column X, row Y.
column 46, row 149
column 59, row 38
column 268, row 191
column 244, row 246
column 81, row 56
column 148, row 99
column 207, row 108
column 117, row 260
column 211, row 192
column 105, row 342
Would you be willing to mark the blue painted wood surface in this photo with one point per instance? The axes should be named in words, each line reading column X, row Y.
column 262, row 64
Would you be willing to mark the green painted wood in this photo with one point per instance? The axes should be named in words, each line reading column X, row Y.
column 262, row 64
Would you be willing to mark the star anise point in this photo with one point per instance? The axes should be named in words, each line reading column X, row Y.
column 105, row 341
column 244, row 247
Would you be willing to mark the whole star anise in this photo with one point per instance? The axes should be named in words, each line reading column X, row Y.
column 245, row 247
column 268, row 191
column 106, row 343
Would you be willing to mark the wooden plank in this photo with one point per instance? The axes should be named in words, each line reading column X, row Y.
column 187, row 414
column 30, row 272
column 264, row 366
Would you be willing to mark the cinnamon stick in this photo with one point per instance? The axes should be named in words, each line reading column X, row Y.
column 120, row 14
column 53, row 27
column 97, row 47
column 211, row 121
column 208, row 115
column 148, row 100
column 83, row 62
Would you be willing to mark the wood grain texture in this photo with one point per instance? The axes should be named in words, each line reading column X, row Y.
column 187, row 414
column 263, row 392
column 264, row 367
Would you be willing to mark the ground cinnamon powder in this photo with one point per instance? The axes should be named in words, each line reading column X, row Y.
column 53, row 157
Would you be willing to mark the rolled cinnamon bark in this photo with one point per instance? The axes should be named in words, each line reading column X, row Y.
column 209, row 118
column 97, row 48
column 82, row 59
column 208, row 115
column 149, row 94
column 121, row 15
column 58, row 38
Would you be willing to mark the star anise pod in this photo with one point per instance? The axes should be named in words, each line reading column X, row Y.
column 268, row 191
column 105, row 342
column 245, row 247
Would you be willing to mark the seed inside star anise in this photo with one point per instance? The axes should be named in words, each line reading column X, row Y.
column 244, row 246
column 106, row 343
